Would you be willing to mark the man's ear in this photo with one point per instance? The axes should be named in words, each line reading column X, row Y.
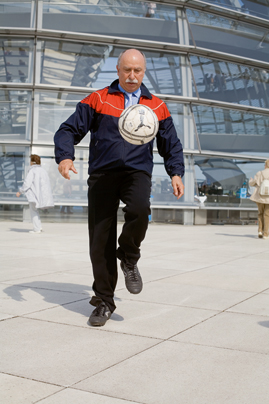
column 117, row 70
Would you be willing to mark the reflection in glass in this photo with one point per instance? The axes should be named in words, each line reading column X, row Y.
column 229, row 82
column 225, row 182
column 12, row 164
column 229, row 36
column 257, row 8
column 233, row 131
column 75, row 194
column 94, row 66
column 131, row 19
column 14, row 60
column 183, row 121
column 162, row 191
column 15, row 108
column 15, row 13
column 53, row 108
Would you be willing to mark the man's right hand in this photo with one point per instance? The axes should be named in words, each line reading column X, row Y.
column 65, row 166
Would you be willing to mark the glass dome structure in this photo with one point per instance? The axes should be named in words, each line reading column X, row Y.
column 208, row 60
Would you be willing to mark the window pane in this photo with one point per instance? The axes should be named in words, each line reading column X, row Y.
column 15, row 113
column 183, row 121
column 232, row 131
column 15, row 57
column 229, row 82
column 51, row 109
column 257, row 8
column 228, row 36
column 225, row 182
column 15, row 14
column 129, row 19
column 94, row 66
column 162, row 191
column 73, row 193
column 12, row 166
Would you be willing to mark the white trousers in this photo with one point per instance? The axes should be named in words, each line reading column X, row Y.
column 35, row 217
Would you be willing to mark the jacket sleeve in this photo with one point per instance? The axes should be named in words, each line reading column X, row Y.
column 27, row 182
column 256, row 180
column 72, row 131
column 170, row 147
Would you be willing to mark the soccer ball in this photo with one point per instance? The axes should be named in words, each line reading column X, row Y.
column 138, row 124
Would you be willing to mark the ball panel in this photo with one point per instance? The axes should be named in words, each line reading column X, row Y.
column 138, row 124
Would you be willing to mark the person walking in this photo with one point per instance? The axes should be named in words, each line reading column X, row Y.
column 262, row 201
column 37, row 190
column 118, row 170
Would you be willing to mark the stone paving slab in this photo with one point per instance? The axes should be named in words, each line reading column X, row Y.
column 196, row 334
column 175, row 373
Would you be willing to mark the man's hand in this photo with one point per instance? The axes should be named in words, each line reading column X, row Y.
column 65, row 166
column 178, row 186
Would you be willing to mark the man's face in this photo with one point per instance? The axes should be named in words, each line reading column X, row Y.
column 131, row 70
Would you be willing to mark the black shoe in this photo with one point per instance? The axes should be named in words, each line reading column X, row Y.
column 100, row 315
column 133, row 280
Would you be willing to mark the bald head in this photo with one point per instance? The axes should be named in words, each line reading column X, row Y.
column 131, row 68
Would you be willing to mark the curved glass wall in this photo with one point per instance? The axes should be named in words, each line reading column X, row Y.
column 228, row 36
column 212, row 71
column 132, row 19
column 229, row 82
column 258, row 8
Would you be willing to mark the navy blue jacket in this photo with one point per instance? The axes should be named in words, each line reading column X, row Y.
column 99, row 113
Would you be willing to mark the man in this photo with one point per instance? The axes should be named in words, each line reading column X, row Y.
column 118, row 171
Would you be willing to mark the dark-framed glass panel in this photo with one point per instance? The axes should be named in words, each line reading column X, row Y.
column 183, row 121
column 15, row 115
column 12, row 167
column 229, row 82
column 229, row 36
column 51, row 109
column 225, row 181
column 66, row 63
column 128, row 19
column 16, row 60
column 67, row 193
column 15, row 13
column 258, row 8
column 232, row 131
column 161, row 190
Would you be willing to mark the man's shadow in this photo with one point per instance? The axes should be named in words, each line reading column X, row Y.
column 52, row 291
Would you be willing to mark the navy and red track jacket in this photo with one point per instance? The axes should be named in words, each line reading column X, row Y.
column 99, row 113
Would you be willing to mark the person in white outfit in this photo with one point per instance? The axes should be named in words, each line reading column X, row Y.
column 262, row 201
column 37, row 190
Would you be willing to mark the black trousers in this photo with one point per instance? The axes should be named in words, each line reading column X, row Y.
column 106, row 190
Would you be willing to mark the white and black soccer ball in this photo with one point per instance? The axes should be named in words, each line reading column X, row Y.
column 138, row 124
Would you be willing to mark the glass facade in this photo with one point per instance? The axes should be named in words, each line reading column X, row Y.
column 210, row 67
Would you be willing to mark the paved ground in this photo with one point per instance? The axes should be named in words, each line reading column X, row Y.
column 198, row 332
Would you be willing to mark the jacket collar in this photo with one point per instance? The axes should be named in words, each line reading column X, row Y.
column 113, row 88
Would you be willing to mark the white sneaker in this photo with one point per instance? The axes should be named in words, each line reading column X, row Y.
column 260, row 234
column 266, row 237
column 35, row 232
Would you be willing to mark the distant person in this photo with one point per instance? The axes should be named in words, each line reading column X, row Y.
column 151, row 10
column 37, row 190
column 262, row 201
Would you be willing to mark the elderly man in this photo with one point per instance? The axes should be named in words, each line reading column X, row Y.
column 118, row 171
